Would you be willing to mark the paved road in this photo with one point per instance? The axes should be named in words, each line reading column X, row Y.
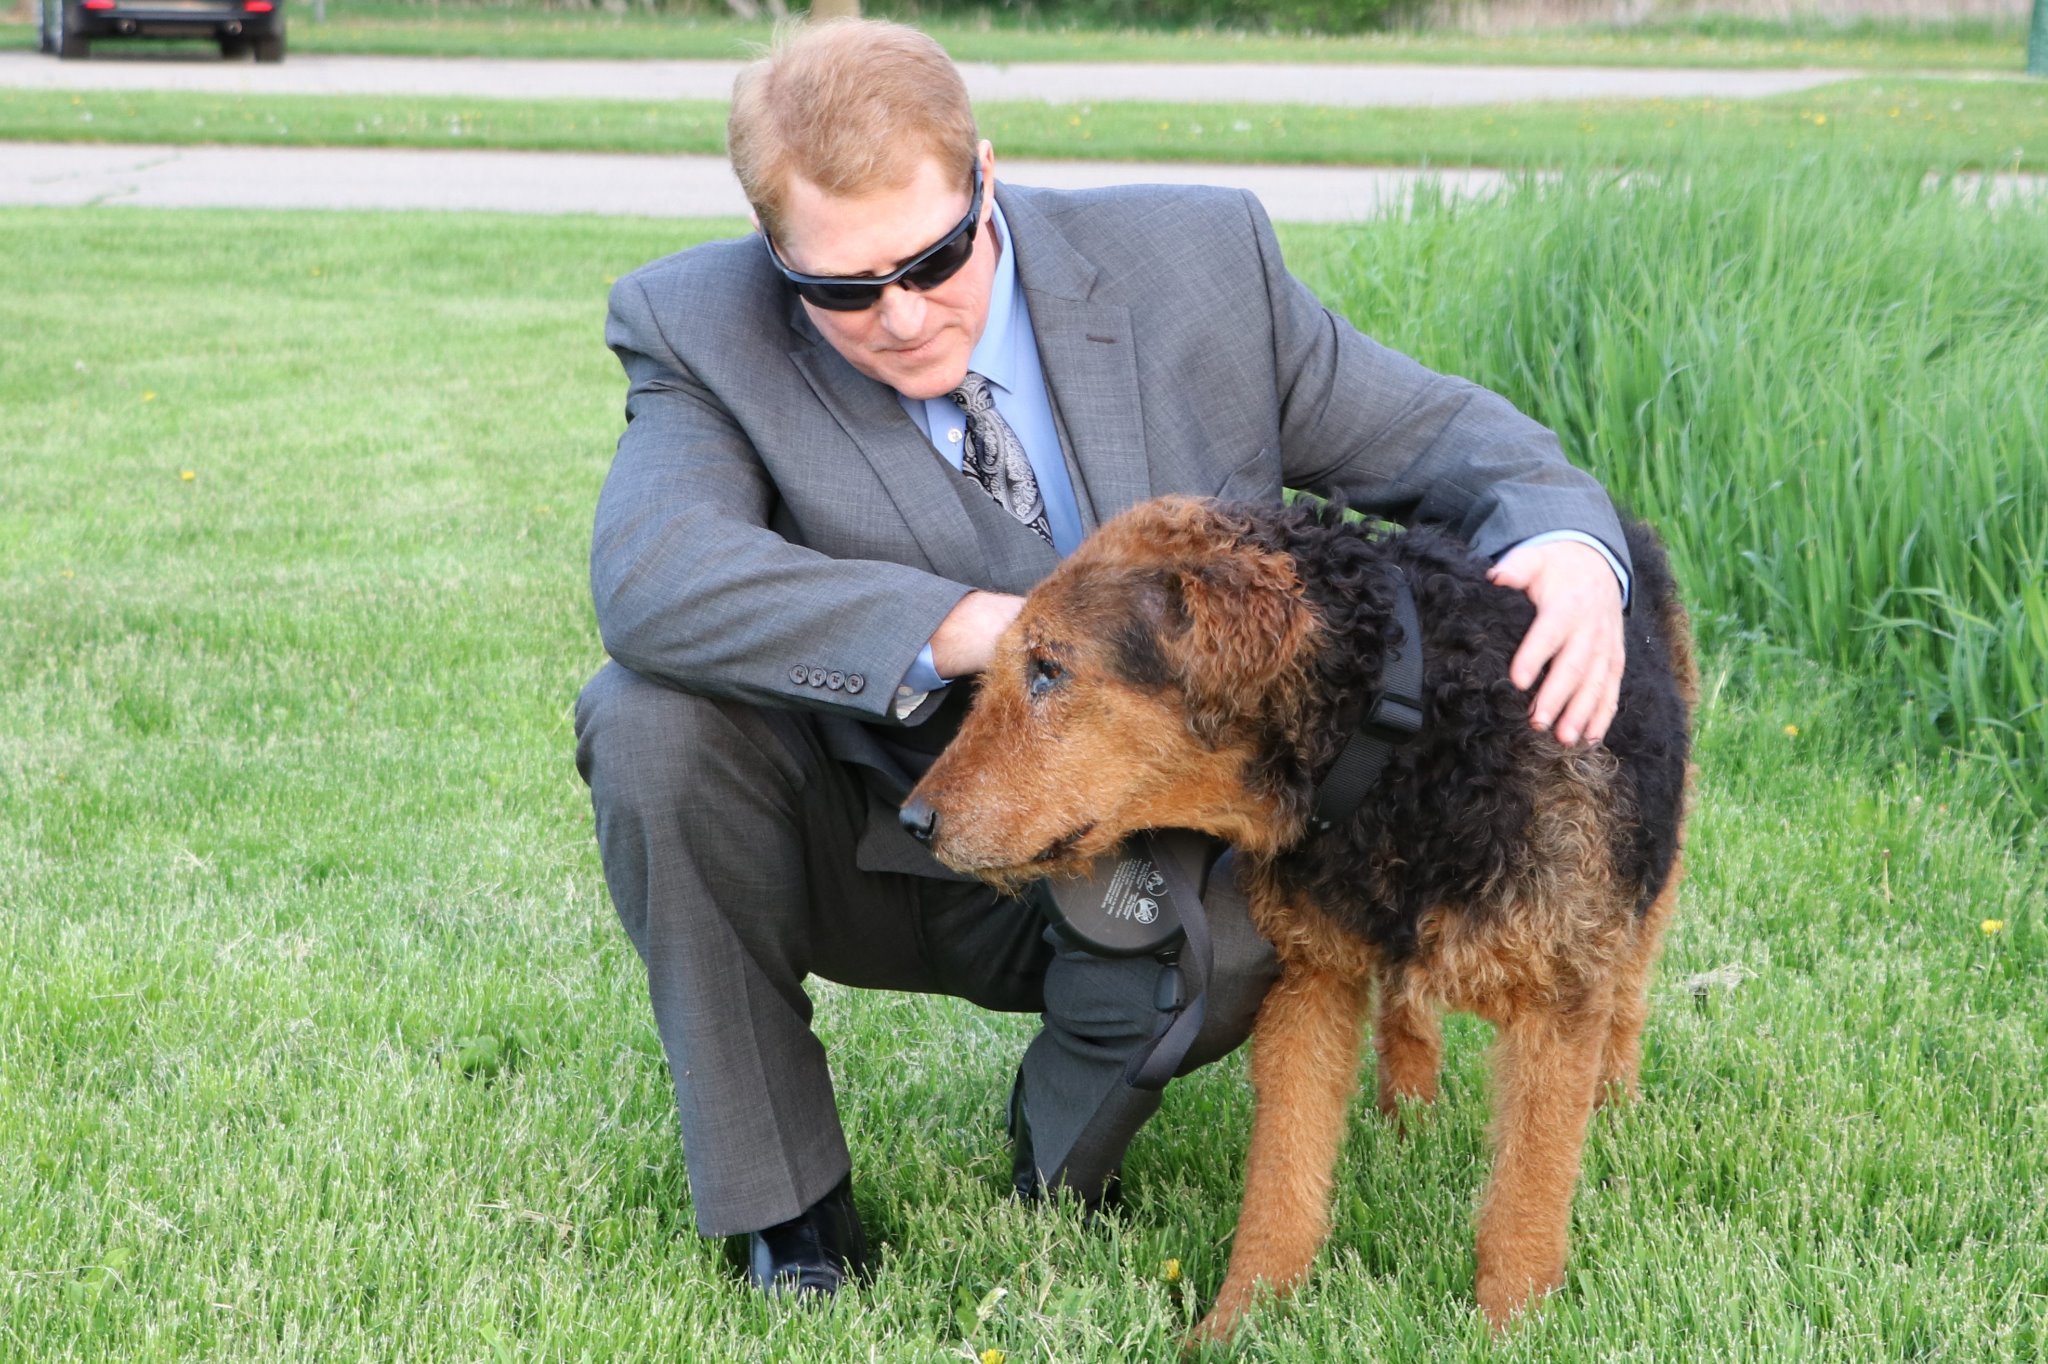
column 642, row 186
column 558, row 182
column 1250, row 83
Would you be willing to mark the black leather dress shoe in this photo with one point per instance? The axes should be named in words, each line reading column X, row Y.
column 1028, row 1182
column 814, row 1252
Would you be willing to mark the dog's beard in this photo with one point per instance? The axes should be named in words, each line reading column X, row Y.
column 1071, row 854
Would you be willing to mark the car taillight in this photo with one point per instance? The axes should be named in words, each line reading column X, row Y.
column 258, row 6
column 99, row 4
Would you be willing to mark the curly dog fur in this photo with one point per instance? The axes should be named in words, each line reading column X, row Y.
column 1198, row 665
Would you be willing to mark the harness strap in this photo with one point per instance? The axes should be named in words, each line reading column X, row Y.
column 1395, row 716
column 1184, row 978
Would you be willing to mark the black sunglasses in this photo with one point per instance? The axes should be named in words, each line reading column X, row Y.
column 928, row 269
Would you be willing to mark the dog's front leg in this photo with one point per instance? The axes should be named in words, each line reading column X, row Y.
column 1305, row 1050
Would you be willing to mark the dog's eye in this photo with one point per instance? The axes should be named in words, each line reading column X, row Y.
column 1045, row 675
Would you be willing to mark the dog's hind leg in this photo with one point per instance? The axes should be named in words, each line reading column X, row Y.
column 1624, row 1055
column 1544, row 1064
column 1305, row 1053
column 1408, row 1036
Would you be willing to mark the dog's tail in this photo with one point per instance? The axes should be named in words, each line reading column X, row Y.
column 1655, row 591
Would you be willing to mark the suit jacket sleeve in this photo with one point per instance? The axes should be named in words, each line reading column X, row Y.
column 695, row 586
column 1405, row 443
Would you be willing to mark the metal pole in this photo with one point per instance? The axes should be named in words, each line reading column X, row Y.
column 2037, row 42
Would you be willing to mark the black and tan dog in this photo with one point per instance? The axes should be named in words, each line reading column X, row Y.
column 1197, row 665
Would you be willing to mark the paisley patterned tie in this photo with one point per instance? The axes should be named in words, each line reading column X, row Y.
column 995, row 458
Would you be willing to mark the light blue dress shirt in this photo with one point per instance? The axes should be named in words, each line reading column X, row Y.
column 1007, row 356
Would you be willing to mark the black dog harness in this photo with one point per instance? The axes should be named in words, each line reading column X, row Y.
column 1152, row 896
column 1396, row 714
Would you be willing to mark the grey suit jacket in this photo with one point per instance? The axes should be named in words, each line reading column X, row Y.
column 775, row 530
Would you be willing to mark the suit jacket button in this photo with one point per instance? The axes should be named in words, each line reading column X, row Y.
column 854, row 682
column 835, row 680
column 798, row 674
column 817, row 677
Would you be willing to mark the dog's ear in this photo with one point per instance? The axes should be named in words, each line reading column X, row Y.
column 1233, row 630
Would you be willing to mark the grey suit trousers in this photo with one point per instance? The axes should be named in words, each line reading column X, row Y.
column 728, row 833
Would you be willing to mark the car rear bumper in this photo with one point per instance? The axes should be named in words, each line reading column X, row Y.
column 170, row 20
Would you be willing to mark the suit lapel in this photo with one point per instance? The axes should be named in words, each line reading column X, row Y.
column 919, row 482
column 1090, row 360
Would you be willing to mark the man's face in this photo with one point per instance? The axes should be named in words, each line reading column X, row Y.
column 916, row 343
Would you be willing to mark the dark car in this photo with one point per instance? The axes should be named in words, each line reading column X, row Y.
column 71, row 27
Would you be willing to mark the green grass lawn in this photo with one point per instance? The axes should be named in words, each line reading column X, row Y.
column 1912, row 124
column 318, row 1039
column 526, row 31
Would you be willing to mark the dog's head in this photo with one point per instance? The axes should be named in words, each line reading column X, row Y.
column 1133, row 690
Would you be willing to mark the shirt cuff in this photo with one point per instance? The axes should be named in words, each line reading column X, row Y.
column 1549, row 536
column 920, row 681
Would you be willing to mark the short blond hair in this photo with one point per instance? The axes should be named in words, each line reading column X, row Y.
column 854, row 106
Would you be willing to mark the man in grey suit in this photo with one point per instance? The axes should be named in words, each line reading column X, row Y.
column 853, row 441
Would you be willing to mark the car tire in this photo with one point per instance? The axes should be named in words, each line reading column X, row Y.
column 72, row 44
column 269, row 46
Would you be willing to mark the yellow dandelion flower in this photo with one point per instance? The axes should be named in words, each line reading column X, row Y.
column 187, row 475
column 992, row 1356
column 1171, row 1271
column 148, row 395
column 1791, row 731
column 1074, row 121
column 1164, row 126
column 1819, row 119
column 1991, row 926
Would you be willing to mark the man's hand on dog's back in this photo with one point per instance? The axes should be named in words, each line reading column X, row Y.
column 1576, row 633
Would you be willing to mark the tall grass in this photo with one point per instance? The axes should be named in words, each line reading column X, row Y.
column 1828, row 387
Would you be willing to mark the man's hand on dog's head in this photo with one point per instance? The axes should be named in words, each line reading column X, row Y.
column 966, row 638
column 1577, row 634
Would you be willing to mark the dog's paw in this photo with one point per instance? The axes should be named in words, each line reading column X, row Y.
column 1214, row 1329
column 1218, row 1327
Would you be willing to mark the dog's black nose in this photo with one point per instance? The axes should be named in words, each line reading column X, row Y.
column 919, row 819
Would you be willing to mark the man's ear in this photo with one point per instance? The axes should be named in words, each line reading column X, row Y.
column 755, row 219
column 1243, row 629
